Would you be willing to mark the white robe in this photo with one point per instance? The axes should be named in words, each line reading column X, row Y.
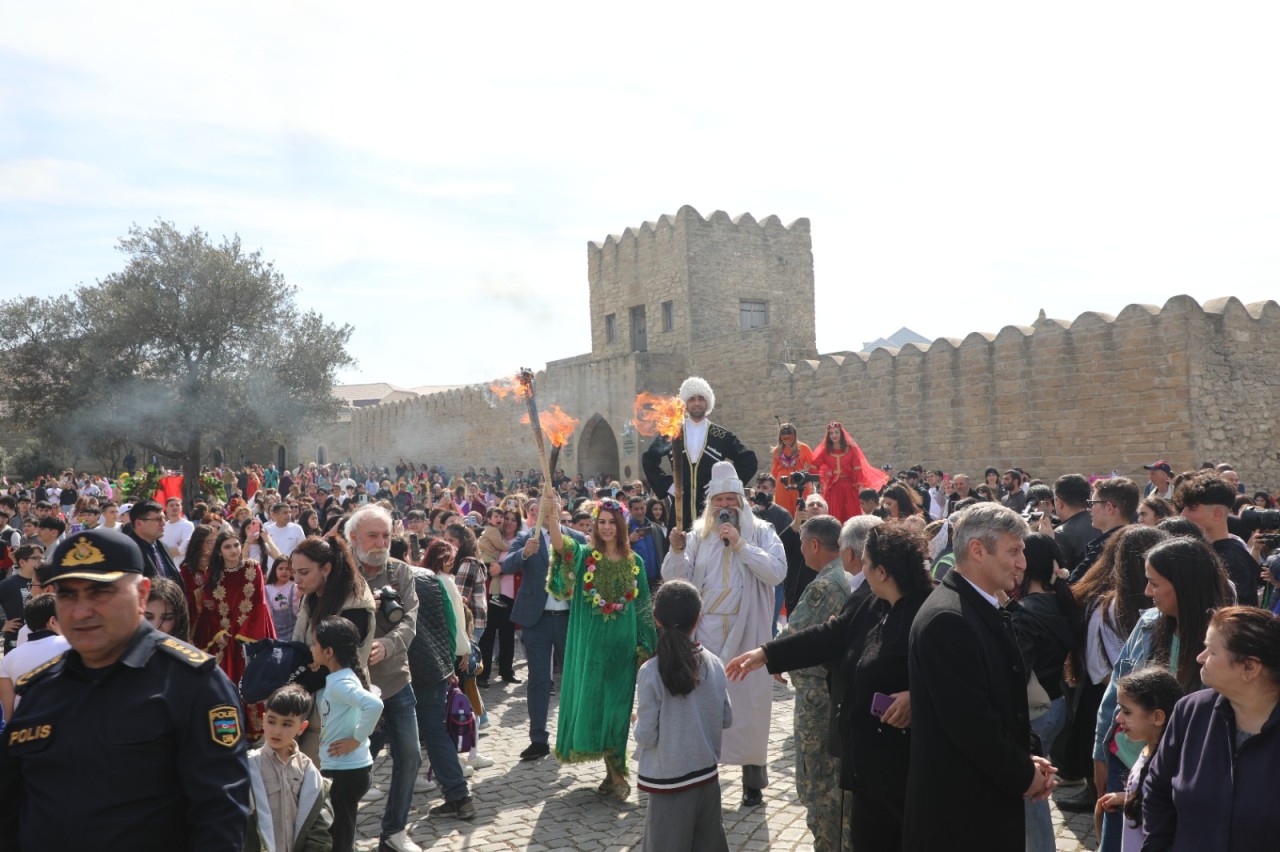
column 737, row 616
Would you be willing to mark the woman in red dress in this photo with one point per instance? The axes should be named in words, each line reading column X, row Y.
column 845, row 471
column 790, row 456
column 233, row 610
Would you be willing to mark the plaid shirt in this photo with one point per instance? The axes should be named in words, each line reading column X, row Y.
column 472, row 579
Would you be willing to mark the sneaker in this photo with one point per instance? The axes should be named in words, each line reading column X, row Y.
column 398, row 842
column 479, row 761
column 484, row 723
column 462, row 809
column 422, row 784
column 468, row 770
column 372, row 795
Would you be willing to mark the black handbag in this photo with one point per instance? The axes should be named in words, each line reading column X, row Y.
column 271, row 664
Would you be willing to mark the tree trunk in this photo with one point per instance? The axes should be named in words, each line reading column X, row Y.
column 191, row 473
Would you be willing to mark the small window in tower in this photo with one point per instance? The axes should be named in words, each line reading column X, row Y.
column 610, row 328
column 752, row 314
column 668, row 316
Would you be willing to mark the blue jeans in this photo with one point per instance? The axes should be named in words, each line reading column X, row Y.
column 541, row 642
column 1113, row 824
column 1039, row 819
column 400, row 733
column 434, row 736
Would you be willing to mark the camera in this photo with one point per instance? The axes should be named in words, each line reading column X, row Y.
column 798, row 480
column 762, row 499
column 1254, row 519
column 389, row 604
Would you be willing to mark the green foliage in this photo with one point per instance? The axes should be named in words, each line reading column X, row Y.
column 31, row 460
column 166, row 354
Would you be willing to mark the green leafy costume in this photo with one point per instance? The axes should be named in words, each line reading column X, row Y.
column 603, row 651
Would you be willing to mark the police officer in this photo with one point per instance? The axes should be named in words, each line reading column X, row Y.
column 137, row 734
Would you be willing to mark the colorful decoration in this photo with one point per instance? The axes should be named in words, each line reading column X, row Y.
column 608, row 609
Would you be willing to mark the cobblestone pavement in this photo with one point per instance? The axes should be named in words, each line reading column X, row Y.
column 543, row 805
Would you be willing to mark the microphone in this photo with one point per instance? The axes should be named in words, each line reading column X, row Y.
column 726, row 517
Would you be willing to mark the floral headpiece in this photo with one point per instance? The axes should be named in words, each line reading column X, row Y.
column 611, row 505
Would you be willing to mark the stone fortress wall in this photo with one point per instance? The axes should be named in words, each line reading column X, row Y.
column 1182, row 382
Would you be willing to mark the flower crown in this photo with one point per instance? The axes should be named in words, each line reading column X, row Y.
column 611, row 505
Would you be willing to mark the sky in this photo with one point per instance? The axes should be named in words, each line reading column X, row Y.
column 432, row 173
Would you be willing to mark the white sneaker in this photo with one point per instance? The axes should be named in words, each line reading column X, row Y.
column 398, row 842
column 373, row 795
column 422, row 784
column 479, row 761
column 468, row 770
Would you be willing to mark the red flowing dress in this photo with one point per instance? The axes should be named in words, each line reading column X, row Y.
column 237, row 608
column 845, row 473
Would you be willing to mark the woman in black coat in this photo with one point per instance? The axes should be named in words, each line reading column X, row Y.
column 869, row 643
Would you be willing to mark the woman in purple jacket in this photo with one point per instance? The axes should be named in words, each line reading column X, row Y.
column 1211, row 786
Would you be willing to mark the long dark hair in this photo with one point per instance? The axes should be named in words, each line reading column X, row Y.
column 906, row 499
column 164, row 589
column 195, row 545
column 1199, row 581
column 1042, row 555
column 1152, row 689
column 339, row 635
column 1118, row 576
column 309, row 515
column 344, row 581
column 466, row 541
column 216, row 563
column 676, row 607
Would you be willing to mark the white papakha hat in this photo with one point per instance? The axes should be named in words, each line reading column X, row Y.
column 697, row 386
column 724, row 480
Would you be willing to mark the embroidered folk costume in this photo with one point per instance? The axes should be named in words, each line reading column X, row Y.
column 705, row 444
column 797, row 458
column 845, row 471
column 236, row 608
column 611, row 632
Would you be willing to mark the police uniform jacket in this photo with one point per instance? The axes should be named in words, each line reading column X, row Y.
column 147, row 754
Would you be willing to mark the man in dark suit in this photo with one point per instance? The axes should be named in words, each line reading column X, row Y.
column 543, row 620
column 971, row 744
column 146, row 527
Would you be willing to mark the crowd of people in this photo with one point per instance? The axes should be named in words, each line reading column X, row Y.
column 962, row 651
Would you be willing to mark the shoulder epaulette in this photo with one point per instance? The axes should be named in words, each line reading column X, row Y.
column 189, row 655
column 25, row 680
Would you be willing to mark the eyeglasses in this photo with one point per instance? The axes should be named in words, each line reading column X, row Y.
column 1092, row 503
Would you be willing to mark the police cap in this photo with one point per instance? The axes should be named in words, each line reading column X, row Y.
column 102, row 557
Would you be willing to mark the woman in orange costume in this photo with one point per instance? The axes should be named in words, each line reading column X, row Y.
column 790, row 456
column 233, row 610
column 845, row 471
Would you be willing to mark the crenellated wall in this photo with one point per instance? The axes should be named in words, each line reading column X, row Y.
column 1181, row 382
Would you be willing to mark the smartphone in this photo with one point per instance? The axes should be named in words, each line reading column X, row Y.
column 880, row 703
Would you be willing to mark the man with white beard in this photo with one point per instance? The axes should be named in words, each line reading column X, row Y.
column 369, row 532
column 734, row 561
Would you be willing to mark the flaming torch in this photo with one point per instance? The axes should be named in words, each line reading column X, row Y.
column 664, row 415
column 558, row 427
column 521, row 386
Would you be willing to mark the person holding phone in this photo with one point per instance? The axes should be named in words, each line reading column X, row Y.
column 869, row 642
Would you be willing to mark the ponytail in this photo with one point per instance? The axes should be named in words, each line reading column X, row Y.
column 676, row 607
column 1151, row 689
column 339, row 635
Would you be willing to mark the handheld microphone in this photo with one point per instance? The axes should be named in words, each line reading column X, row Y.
column 726, row 517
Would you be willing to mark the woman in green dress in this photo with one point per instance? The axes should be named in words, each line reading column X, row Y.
column 611, row 633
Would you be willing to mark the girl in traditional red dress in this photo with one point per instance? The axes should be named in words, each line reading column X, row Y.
column 790, row 456
column 233, row 610
column 845, row 471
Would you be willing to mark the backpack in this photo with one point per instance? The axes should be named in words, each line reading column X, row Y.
column 460, row 720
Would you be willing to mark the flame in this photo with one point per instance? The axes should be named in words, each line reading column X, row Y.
column 658, row 415
column 511, row 386
column 556, row 423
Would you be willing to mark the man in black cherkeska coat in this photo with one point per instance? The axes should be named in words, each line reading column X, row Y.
column 972, row 761
column 705, row 443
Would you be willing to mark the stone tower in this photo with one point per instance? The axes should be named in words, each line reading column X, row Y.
column 686, row 282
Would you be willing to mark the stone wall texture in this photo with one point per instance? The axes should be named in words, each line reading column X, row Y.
column 1180, row 382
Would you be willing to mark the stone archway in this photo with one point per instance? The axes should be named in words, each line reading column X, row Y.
column 598, row 449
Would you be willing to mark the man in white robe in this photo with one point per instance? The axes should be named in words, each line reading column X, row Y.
column 734, row 561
